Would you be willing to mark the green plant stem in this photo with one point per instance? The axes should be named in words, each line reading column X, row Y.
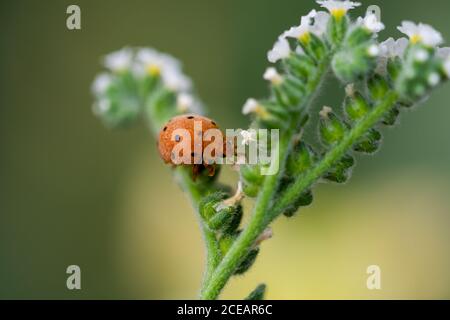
column 213, row 255
column 334, row 155
column 258, row 221
column 184, row 179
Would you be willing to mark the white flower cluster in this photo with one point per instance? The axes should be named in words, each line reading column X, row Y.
column 417, row 33
column 314, row 22
column 146, row 61
column 338, row 8
column 371, row 23
column 421, row 33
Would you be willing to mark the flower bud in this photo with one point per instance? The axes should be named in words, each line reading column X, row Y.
column 336, row 29
column 370, row 143
column 301, row 159
column 301, row 66
column 251, row 174
column 251, row 190
column 421, row 72
column 352, row 64
column 356, row 106
column 314, row 47
column 378, row 87
column 247, row 262
column 226, row 241
column 394, row 67
column 331, row 128
column 219, row 214
column 258, row 293
column 303, row 200
column 357, row 36
column 391, row 117
column 341, row 171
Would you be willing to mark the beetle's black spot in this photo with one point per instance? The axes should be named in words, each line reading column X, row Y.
column 191, row 117
column 165, row 128
column 192, row 154
column 213, row 123
column 177, row 138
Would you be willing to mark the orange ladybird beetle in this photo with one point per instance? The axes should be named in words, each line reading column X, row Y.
column 196, row 126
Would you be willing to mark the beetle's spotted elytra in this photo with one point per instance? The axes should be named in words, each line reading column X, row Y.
column 192, row 140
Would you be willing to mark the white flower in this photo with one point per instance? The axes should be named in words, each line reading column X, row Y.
column 422, row 33
column 320, row 23
column 303, row 28
column 392, row 48
column 154, row 63
column 373, row 50
column 101, row 83
column 443, row 53
column 248, row 136
column 434, row 79
column 371, row 23
column 250, row 106
column 280, row 50
column 271, row 74
column 102, row 106
column 185, row 101
column 338, row 8
column 421, row 55
column 119, row 61
column 315, row 22
column 447, row 67
column 175, row 80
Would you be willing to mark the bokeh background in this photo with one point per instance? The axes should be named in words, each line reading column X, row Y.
column 72, row 192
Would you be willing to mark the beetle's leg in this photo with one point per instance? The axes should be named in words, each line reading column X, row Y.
column 195, row 171
column 211, row 169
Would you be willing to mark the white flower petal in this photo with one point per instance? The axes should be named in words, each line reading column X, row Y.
column 335, row 6
column 422, row 33
column 447, row 67
column 314, row 22
column 120, row 60
column 250, row 106
column 281, row 50
column 101, row 83
column 443, row 53
column 392, row 48
column 371, row 23
column 271, row 74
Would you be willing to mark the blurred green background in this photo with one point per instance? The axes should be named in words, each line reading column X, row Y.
column 72, row 192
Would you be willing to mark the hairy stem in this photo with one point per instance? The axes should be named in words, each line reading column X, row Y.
column 211, row 245
column 334, row 155
column 259, row 221
column 184, row 179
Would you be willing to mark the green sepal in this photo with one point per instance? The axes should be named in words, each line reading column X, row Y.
column 258, row 293
column 207, row 206
column 391, row 117
column 247, row 262
column 370, row 143
column 356, row 107
column 353, row 64
column 303, row 200
column 341, row 171
column 378, row 87
column 331, row 129
column 301, row 158
column 300, row 66
column 357, row 36
column 336, row 30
